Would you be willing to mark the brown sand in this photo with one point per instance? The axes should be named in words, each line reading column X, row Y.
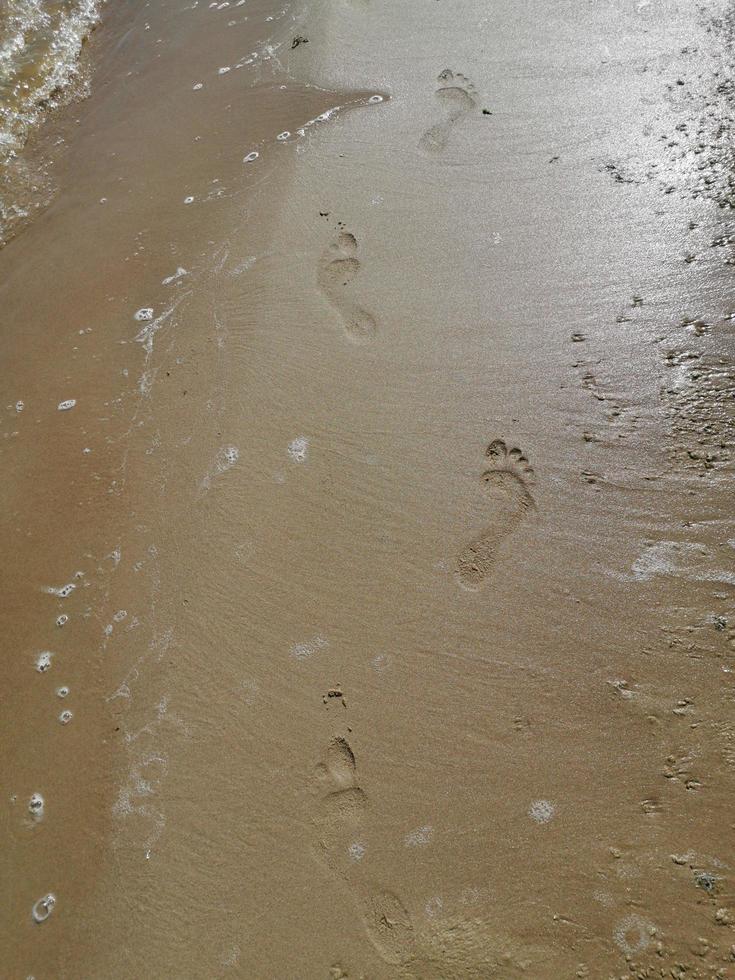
column 402, row 534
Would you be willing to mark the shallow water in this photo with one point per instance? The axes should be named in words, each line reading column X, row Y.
column 41, row 43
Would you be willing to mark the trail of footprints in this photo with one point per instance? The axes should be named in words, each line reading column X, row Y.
column 340, row 265
column 507, row 479
column 342, row 803
column 339, row 819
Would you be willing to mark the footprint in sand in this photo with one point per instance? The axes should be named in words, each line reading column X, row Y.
column 342, row 805
column 338, row 267
column 340, row 815
column 457, row 97
column 507, row 478
column 388, row 926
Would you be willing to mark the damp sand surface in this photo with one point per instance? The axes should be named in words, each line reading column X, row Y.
column 367, row 435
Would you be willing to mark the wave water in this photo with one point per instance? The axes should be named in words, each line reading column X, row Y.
column 41, row 44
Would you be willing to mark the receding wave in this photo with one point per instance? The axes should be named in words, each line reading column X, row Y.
column 41, row 43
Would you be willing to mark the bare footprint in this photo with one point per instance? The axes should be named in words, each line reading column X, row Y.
column 508, row 478
column 339, row 817
column 456, row 96
column 342, row 805
column 388, row 926
column 338, row 267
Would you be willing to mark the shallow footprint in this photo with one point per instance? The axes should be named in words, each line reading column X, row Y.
column 340, row 813
column 338, row 267
column 388, row 926
column 508, row 478
column 456, row 95
column 342, row 806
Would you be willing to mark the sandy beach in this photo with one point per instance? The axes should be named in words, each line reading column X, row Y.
column 367, row 481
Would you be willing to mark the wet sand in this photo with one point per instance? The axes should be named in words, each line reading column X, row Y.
column 400, row 520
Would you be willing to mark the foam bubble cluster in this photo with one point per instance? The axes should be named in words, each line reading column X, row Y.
column 66, row 404
column 541, row 811
column 419, row 837
column 302, row 651
column 143, row 314
column 298, row 448
column 65, row 717
column 43, row 661
column 63, row 591
column 35, row 806
column 227, row 457
column 633, row 934
column 181, row 271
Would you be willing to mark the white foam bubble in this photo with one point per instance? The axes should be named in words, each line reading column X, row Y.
column 62, row 620
column 19, row 406
column 143, row 314
column 177, row 275
column 43, row 661
column 188, row 200
column 227, row 458
column 62, row 692
column 356, row 851
column 66, row 716
column 66, row 405
column 283, row 136
column 375, row 98
column 43, row 908
column 35, row 806
column 120, row 615
column 541, row 811
column 62, row 592
column 250, row 157
column 298, row 448
column 224, row 70
column 197, row 86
